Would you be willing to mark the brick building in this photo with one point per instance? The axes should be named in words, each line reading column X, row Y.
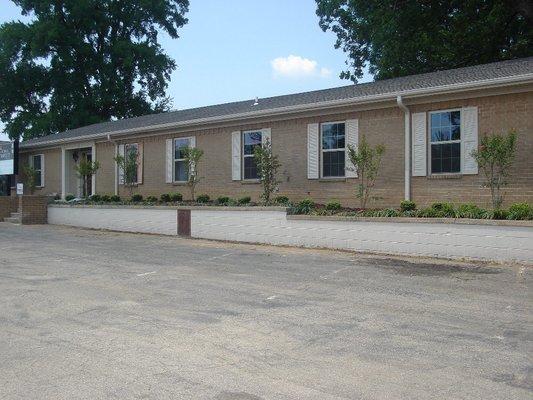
column 429, row 124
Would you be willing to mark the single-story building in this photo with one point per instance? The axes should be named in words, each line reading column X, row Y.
column 429, row 124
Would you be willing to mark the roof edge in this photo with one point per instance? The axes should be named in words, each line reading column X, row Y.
column 406, row 94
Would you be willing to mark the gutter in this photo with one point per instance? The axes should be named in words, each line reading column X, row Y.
column 391, row 96
column 407, row 147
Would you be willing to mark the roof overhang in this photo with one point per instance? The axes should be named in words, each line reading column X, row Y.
column 390, row 96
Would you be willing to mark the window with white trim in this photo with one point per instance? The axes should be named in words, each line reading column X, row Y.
column 129, row 149
column 445, row 131
column 250, row 141
column 332, row 148
column 37, row 165
column 181, row 169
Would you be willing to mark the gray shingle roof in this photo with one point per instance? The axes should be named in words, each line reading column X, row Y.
column 352, row 92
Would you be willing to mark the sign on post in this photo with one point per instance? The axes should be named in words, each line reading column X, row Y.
column 20, row 188
column 7, row 158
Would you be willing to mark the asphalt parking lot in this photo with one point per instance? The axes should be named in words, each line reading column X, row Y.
column 100, row 315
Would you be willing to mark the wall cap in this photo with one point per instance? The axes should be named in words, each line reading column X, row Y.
column 456, row 221
column 144, row 207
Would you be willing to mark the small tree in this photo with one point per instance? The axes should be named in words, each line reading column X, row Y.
column 495, row 157
column 29, row 177
column 267, row 166
column 366, row 160
column 85, row 170
column 192, row 156
column 128, row 164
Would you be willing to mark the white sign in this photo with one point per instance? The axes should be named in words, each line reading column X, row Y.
column 20, row 188
column 7, row 156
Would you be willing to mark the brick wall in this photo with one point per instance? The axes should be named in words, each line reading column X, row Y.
column 8, row 205
column 289, row 140
column 33, row 209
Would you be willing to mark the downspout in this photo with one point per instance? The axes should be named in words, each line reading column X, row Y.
column 407, row 147
column 116, row 166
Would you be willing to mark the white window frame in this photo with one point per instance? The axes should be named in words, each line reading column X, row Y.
column 174, row 159
column 243, row 156
column 322, row 150
column 136, row 145
column 41, row 170
column 430, row 142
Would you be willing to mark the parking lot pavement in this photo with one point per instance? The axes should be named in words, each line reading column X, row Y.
column 100, row 315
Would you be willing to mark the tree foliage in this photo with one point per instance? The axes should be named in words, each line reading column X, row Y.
column 192, row 156
column 29, row 177
column 85, row 170
column 128, row 164
column 366, row 161
column 404, row 37
column 267, row 166
column 495, row 158
column 79, row 62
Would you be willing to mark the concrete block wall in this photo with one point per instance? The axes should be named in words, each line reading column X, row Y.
column 149, row 220
column 502, row 243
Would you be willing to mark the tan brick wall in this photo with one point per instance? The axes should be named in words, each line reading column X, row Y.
column 8, row 205
column 52, row 171
column 289, row 141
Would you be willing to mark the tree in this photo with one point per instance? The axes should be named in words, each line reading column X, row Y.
column 192, row 156
column 404, row 37
column 79, row 62
column 29, row 175
column 128, row 164
column 367, row 161
column 85, row 170
column 267, row 166
column 495, row 158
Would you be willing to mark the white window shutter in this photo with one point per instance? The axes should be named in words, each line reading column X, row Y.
column 352, row 139
column 266, row 134
column 312, row 151
column 192, row 144
column 169, row 161
column 236, row 155
column 140, row 157
column 469, row 142
column 120, row 169
column 419, row 162
column 42, row 170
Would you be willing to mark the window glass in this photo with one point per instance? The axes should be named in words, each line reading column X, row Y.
column 37, row 166
column 251, row 140
column 129, row 150
column 445, row 142
column 333, row 149
column 181, row 170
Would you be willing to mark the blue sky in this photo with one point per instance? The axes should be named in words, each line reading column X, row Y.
column 238, row 49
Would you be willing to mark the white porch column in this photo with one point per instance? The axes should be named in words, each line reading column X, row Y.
column 116, row 170
column 63, row 173
column 93, row 176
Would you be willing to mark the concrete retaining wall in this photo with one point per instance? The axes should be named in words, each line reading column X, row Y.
column 142, row 220
column 491, row 240
column 487, row 242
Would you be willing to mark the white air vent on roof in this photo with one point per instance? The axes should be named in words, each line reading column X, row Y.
column 256, row 101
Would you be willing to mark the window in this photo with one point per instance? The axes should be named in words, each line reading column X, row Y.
column 129, row 149
column 445, row 129
column 181, row 169
column 251, row 140
column 333, row 149
column 37, row 164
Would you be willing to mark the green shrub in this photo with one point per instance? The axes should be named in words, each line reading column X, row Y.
column 105, row 198
column 245, row 200
column 114, row 198
column 443, row 210
column 96, row 198
column 520, row 211
column 165, row 198
column 469, row 211
column 499, row 214
column 407, row 205
column 428, row 212
column 203, row 198
column 176, row 197
column 223, row 200
column 305, row 206
column 388, row 212
column 151, row 199
column 69, row 197
column 136, row 198
column 281, row 200
column 333, row 205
